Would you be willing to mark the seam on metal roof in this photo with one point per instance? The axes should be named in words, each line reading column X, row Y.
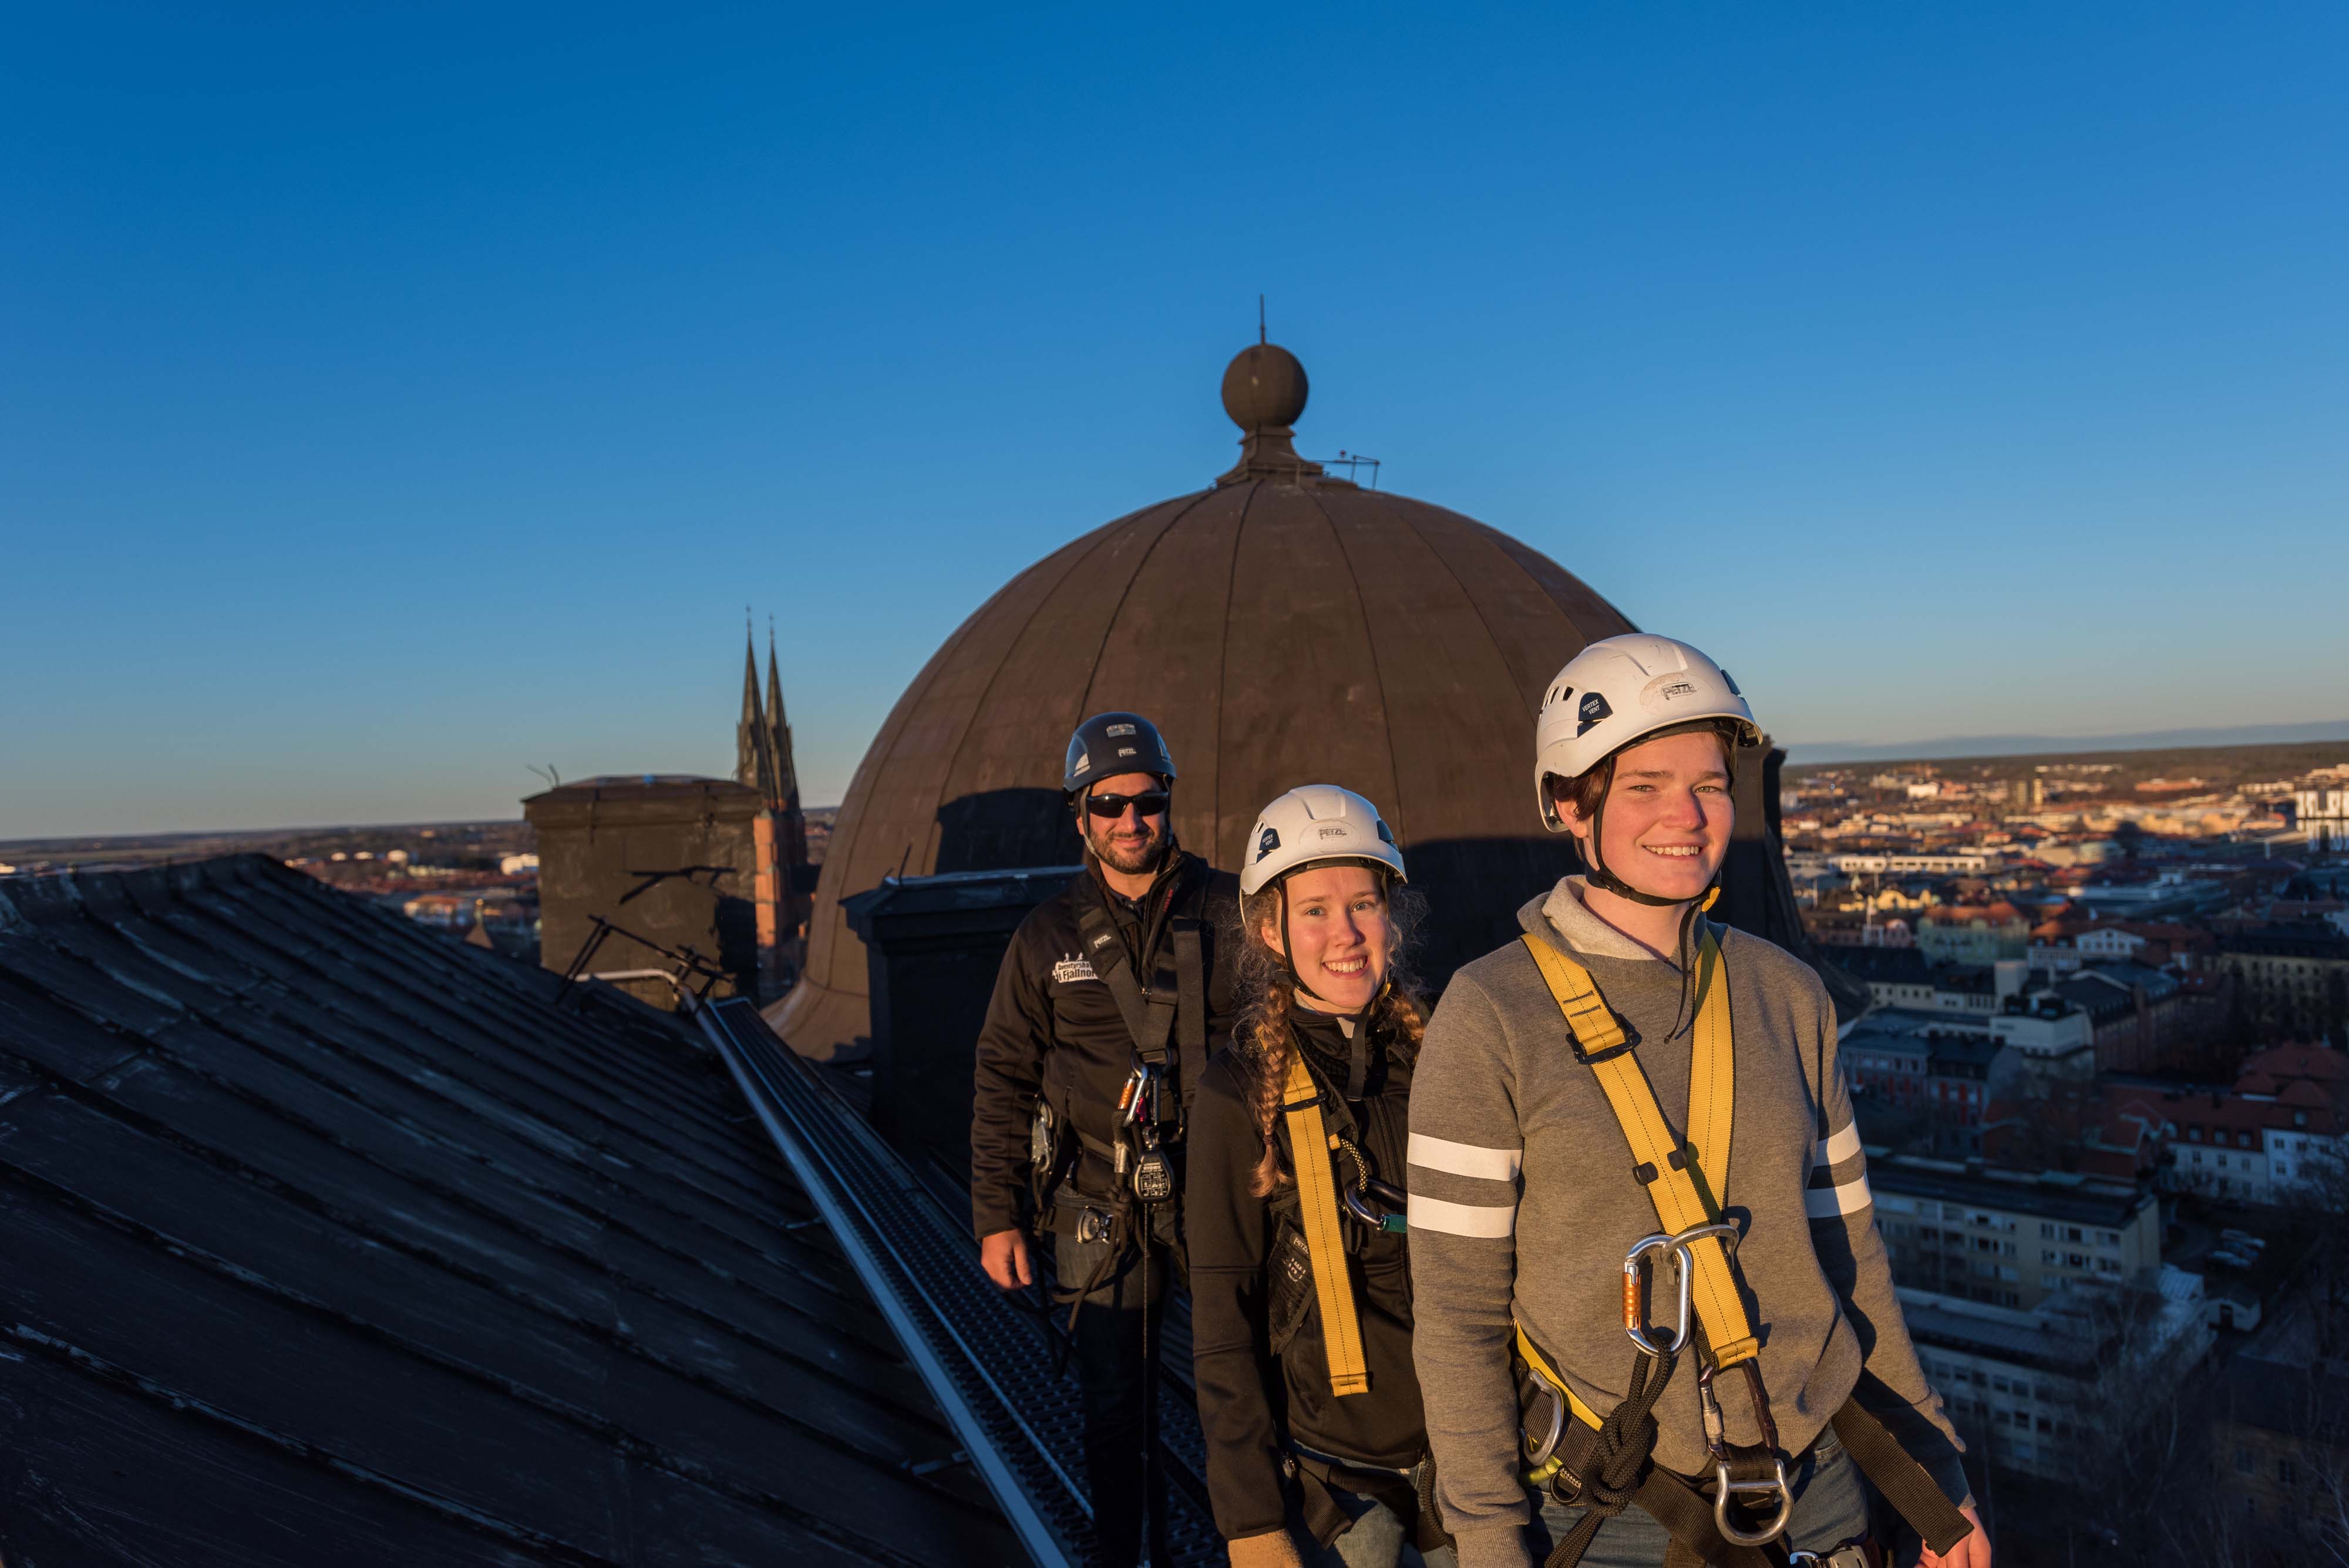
column 1378, row 671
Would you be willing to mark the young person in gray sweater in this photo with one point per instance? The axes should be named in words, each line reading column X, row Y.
column 1525, row 1194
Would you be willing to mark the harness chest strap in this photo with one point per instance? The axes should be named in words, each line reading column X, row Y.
column 1325, row 1245
column 1685, row 1182
column 1174, row 1005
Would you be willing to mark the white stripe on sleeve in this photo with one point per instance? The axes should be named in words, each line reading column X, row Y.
column 1840, row 1148
column 1462, row 1159
column 1462, row 1218
column 1832, row 1202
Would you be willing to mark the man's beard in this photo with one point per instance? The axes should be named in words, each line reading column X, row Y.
column 1130, row 860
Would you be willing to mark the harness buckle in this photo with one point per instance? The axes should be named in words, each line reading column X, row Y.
column 1716, row 1440
column 1635, row 1318
column 1851, row 1554
column 1543, row 1456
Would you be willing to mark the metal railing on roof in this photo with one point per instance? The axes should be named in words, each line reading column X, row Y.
column 1012, row 1401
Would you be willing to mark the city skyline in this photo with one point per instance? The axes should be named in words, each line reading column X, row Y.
column 411, row 416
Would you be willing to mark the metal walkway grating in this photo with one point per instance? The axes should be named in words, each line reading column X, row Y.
column 990, row 1366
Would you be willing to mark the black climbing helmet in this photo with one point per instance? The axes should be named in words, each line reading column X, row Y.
column 1108, row 744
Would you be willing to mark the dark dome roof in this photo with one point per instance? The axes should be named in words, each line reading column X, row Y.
column 1281, row 629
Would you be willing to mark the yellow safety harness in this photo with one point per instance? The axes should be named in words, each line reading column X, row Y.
column 1687, row 1181
column 1310, row 1144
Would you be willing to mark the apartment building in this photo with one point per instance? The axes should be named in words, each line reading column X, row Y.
column 2280, row 1449
column 2295, row 978
column 1888, row 1055
column 2284, row 1123
column 1977, row 933
column 2008, row 1239
column 2026, row 1388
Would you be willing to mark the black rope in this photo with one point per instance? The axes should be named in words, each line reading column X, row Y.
column 1154, row 1477
column 1618, row 1456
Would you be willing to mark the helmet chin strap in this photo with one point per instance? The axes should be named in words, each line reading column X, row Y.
column 1601, row 876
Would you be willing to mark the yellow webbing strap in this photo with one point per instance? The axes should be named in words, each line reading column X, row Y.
column 1548, row 1374
column 1317, row 1204
column 1686, row 1193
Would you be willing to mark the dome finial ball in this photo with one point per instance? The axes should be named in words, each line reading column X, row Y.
column 1264, row 388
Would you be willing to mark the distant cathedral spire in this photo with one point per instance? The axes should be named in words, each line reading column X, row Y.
column 750, row 747
column 762, row 760
column 784, row 773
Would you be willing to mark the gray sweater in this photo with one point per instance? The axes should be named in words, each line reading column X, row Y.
column 1523, row 1202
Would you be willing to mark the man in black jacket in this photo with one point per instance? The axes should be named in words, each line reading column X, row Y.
column 1111, row 1000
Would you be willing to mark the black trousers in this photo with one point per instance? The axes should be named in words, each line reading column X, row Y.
column 1115, row 1362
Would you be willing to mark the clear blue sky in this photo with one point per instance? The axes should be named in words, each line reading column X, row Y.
column 394, row 395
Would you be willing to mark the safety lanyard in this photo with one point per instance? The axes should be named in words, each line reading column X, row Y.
column 1309, row 1146
column 1687, row 1181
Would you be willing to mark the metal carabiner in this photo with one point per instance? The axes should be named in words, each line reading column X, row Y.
column 1138, row 1103
column 1635, row 1319
column 1366, row 1184
column 1390, row 1224
column 1716, row 1440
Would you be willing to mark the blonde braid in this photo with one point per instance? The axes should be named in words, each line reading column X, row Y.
column 1269, row 1047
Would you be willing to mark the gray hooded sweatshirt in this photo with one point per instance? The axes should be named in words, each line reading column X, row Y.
column 1523, row 1203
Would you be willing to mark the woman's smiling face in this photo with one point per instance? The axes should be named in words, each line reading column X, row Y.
column 1668, row 816
column 1341, row 936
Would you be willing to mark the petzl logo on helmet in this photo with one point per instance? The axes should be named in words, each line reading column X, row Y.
column 1118, row 730
column 1334, row 833
column 1666, row 689
column 1594, row 709
column 1266, row 842
column 1128, row 752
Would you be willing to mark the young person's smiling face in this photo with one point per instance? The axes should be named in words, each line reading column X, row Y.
column 1341, row 936
column 1668, row 816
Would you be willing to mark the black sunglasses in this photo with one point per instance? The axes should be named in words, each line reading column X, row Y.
column 1150, row 802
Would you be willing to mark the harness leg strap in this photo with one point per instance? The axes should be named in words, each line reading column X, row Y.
column 1914, row 1494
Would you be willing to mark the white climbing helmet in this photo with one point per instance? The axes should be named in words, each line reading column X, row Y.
column 1311, row 825
column 1619, row 690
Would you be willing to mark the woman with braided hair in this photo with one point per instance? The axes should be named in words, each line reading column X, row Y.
column 1300, row 1278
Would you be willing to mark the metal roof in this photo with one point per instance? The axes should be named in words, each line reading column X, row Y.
column 333, row 1240
column 2030, row 1340
column 1007, row 1388
column 2049, row 1196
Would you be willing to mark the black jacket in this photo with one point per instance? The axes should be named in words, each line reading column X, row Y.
column 1253, row 1303
column 1053, row 1030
